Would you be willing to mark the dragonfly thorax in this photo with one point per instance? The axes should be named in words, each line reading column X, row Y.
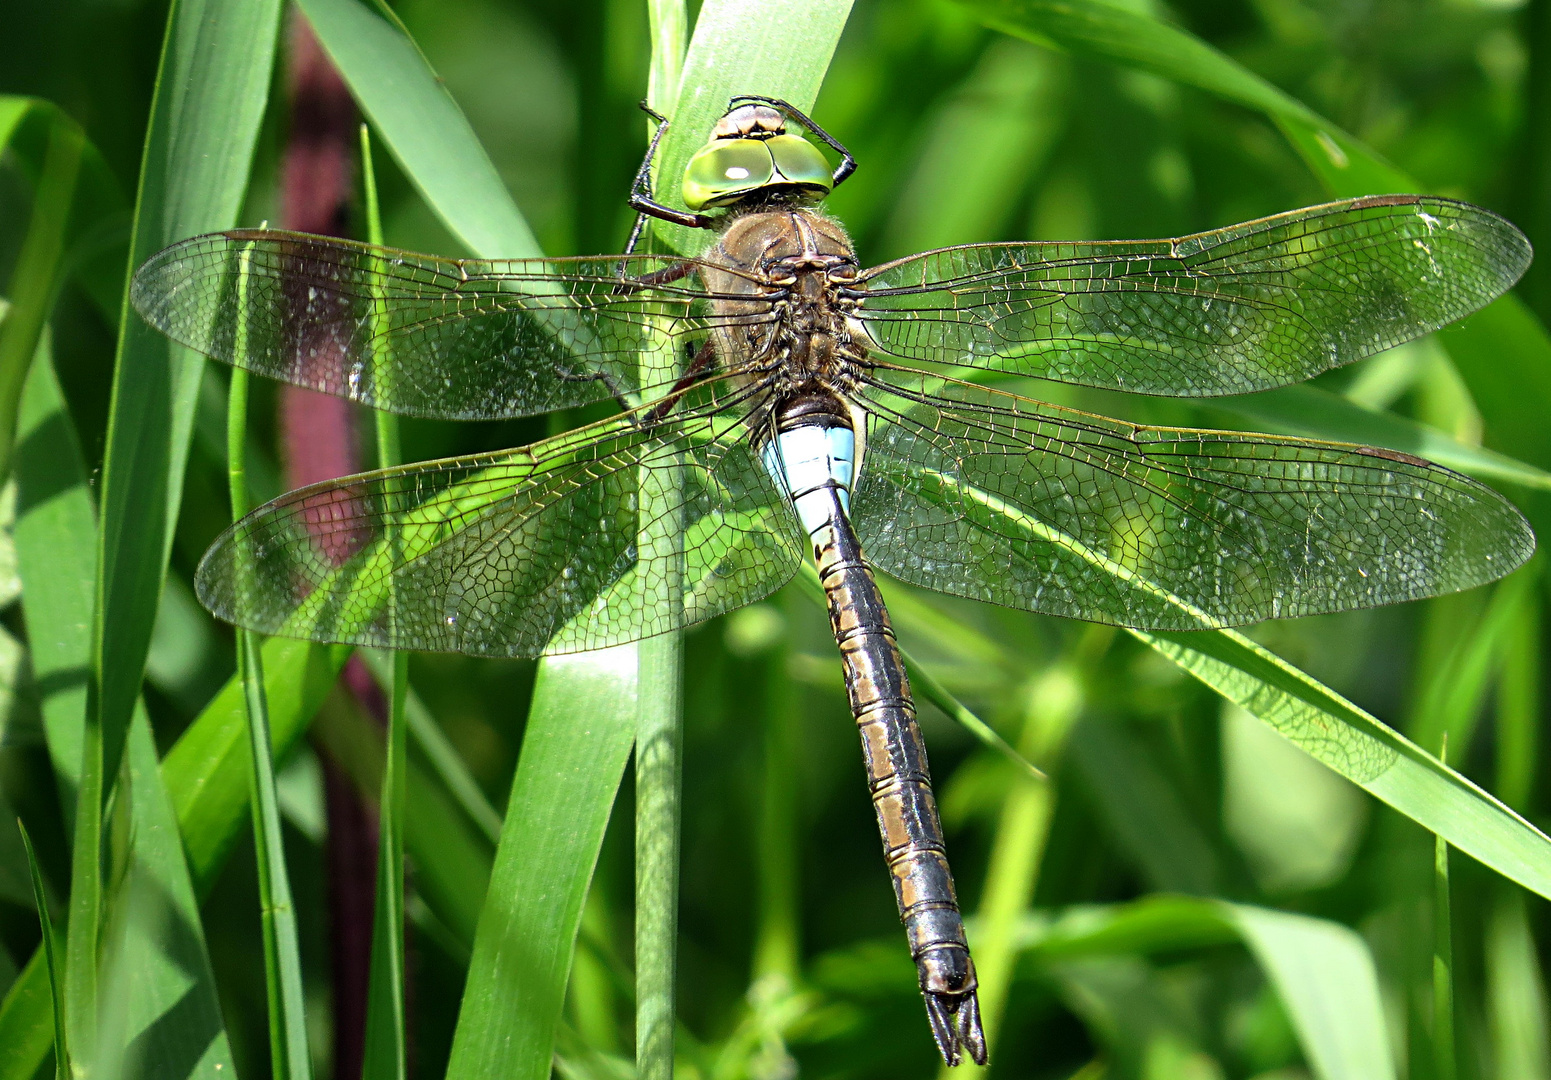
column 794, row 335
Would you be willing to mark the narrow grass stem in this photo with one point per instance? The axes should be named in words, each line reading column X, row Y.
column 777, row 947
column 289, row 1055
column 660, row 686
column 55, row 975
column 659, row 737
column 1053, row 702
column 386, row 1050
column 1444, row 1060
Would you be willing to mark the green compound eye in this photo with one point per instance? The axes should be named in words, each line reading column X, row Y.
column 799, row 162
column 725, row 170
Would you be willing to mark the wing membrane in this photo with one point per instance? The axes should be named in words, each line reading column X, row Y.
column 980, row 494
column 516, row 553
column 419, row 335
column 1245, row 308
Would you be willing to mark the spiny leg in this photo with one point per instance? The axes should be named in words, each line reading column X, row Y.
column 641, row 199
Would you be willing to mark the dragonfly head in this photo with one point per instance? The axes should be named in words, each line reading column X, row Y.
column 751, row 156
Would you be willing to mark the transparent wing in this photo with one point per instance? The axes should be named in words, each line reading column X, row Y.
column 415, row 334
column 985, row 495
column 517, row 553
column 1245, row 308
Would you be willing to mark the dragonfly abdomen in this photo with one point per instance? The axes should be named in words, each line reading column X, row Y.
column 814, row 461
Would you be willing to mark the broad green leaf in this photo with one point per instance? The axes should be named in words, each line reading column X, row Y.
column 1325, row 977
column 212, row 85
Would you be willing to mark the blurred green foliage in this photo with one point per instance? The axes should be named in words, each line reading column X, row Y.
column 791, row 962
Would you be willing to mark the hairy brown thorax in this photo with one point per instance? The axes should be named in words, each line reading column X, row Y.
column 799, row 255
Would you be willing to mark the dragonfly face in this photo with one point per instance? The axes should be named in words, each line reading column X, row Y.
column 821, row 410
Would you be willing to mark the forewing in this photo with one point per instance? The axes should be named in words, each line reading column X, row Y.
column 514, row 554
column 418, row 335
column 1011, row 501
column 1245, row 308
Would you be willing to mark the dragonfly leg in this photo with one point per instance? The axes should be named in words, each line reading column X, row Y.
column 641, row 199
column 847, row 164
column 697, row 367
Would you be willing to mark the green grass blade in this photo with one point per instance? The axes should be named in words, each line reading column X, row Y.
column 212, row 85
column 422, row 126
column 659, row 737
column 1364, row 750
column 98, row 213
column 1325, row 977
column 39, row 265
column 507, row 1017
column 452, row 857
column 428, row 740
column 580, row 731
column 1022, row 830
column 56, row 978
column 1321, row 970
column 385, row 1050
column 1444, row 1067
column 175, row 1007
column 289, row 1057
column 1517, row 1004
column 733, row 51
column 1452, row 698
column 757, row 47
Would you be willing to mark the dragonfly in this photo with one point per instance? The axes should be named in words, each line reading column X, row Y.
column 777, row 402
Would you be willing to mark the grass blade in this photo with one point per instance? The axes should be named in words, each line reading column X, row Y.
column 1053, row 705
column 37, row 276
column 1443, row 965
column 173, row 1016
column 733, row 51
column 385, row 1051
column 1315, row 413
column 507, row 1023
column 289, row 1058
column 1325, row 977
column 422, row 127
column 56, row 977
column 659, row 737
column 580, row 730
column 211, row 88
column 1321, row 970
column 1364, row 750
